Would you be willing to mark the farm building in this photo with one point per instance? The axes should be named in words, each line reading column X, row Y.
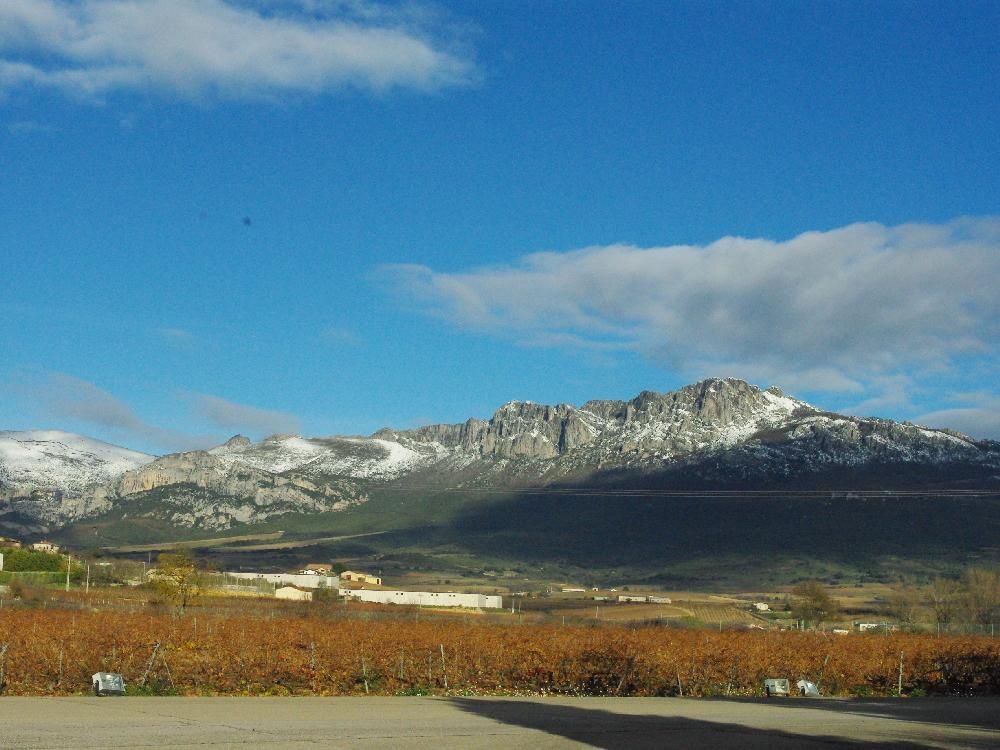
column 302, row 580
column 317, row 569
column 632, row 598
column 659, row 599
column 294, row 593
column 425, row 598
column 357, row 577
column 762, row 606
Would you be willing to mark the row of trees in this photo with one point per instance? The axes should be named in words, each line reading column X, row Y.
column 973, row 598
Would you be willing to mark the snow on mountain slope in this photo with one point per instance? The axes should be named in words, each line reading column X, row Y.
column 52, row 459
column 360, row 458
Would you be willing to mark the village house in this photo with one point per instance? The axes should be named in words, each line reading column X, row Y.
column 317, row 569
column 9, row 543
column 44, row 546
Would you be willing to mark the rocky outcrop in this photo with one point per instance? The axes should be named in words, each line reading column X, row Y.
column 713, row 411
column 236, row 442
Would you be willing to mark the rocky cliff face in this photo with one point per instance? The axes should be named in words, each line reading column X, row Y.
column 713, row 412
column 196, row 489
column 732, row 428
column 715, row 430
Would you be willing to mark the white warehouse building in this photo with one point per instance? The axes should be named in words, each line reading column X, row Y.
column 302, row 580
column 425, row 598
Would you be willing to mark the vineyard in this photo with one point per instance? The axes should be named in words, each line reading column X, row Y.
column 55, row 652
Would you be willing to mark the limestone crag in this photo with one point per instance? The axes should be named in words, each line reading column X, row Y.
column 713, row 411
column 202, row 489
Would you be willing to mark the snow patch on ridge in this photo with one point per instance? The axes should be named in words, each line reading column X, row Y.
column 63, row 460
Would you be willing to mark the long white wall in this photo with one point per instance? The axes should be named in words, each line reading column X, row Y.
column 296, row 579
column 425, row 598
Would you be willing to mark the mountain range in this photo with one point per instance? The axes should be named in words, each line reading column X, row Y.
column 713, row 435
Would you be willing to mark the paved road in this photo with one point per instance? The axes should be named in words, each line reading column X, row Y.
column 473, row 723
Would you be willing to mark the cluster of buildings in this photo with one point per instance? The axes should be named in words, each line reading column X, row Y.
column 352, row 584
column 43, row 546
column 644, row 598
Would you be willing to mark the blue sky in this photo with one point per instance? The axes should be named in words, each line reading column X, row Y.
column 326, row 216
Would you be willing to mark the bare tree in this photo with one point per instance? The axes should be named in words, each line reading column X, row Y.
column 177, row 578
column 942, row 596
column 812, row 603
column 903, row 605
column 981, row 595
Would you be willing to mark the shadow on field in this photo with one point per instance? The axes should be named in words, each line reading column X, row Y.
column 981, row 712
column 586, row 529
column 614, row 731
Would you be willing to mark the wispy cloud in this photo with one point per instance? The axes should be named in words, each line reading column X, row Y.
column 847, row 310
column 65, row 397
column 25, row 127
column 340, row 335
column 175, row 334
column 225, row 48
column 975, row 414
column 243, row 418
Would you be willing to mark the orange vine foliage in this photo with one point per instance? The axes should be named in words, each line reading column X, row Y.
column 55, row 652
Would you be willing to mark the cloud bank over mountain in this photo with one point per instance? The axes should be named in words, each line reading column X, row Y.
column 861, row 309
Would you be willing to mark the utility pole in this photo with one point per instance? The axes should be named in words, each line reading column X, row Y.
column 69, row 562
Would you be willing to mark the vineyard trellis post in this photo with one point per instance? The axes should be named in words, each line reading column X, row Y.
column 312, row 665
column 149, row 665
column 444, row 668
column 3, row 664
column 899, row 688
column 152, row 660
column 822, row 671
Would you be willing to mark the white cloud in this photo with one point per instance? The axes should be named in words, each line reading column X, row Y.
column 243, row 418
column 224, row 48
column 856, row 309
